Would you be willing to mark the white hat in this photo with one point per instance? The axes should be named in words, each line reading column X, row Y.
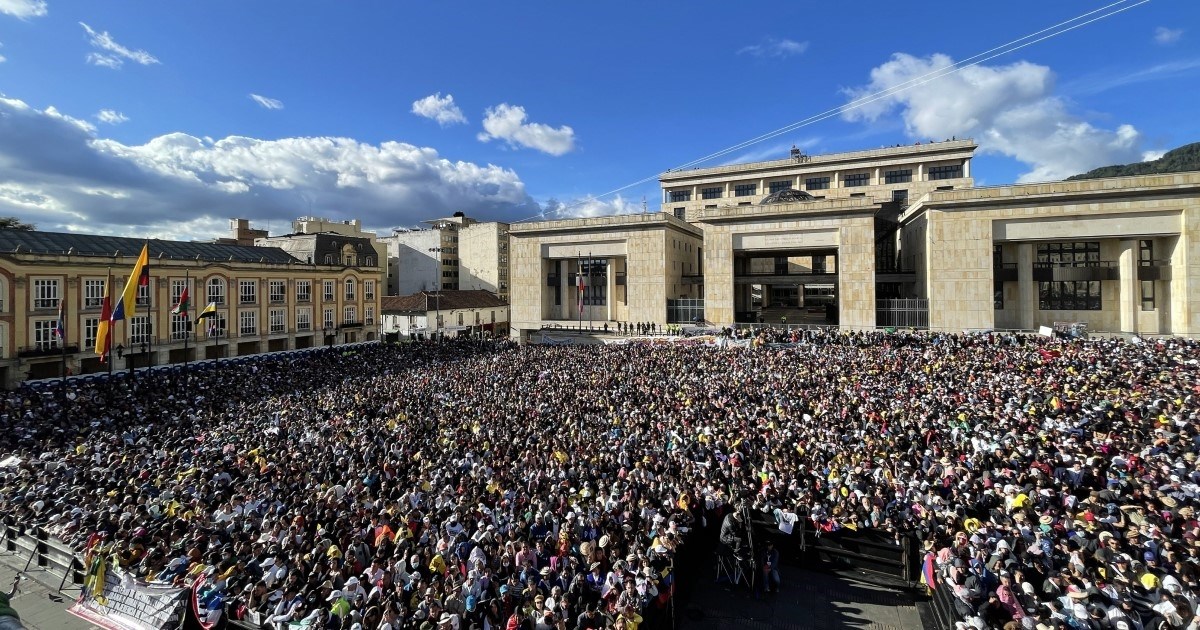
column 334, row 595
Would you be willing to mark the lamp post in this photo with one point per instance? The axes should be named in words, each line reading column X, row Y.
column 328, row 330
column 437, row 287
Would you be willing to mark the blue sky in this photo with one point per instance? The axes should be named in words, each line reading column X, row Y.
column 168, row 118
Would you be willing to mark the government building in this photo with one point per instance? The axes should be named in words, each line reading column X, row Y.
column 890, row 237
column 289, row 292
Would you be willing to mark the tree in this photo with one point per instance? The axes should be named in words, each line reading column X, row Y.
column 13, row 223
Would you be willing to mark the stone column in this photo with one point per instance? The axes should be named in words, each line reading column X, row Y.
column 1027, row 292
column 612, row 289
column 566, row 282
column 1127, row 261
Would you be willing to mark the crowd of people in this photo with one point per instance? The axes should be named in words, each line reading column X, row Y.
column 488, row 485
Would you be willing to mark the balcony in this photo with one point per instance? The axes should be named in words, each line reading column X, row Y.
column 1154, row 270
column 278, row 299
column 1075, row 271
column 29, row 352
column 45, row 303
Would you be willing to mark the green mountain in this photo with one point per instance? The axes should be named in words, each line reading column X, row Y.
column 1185, row 158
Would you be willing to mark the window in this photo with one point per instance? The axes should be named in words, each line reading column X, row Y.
column 45, row 294
column 350, row 288
column 368, row 289
column 1146, row 259
column 460, row 319
column 217, row 325
column 327, row 289
column 781, row 266
column 857, row 179
column 897, row 176
column 680, row 213
column 328, row 318
column 369, row 314
column 44, row 336
column 278, row 320
column 745, row 190
column 141, row 329
column 247, row 291
column 1077, row 295
column 775, row 187
column 177, row 286
column 93, row 293
column 304, row 319
column 247, row 323
column 820, row 264
column 277, row 290
column 91, row 328
column 304, row 290
column 181, row 326
column 328, row 259
column 900, row 196
column 596, row 272
column 681, row 195
column 216, row 291
column 951, row 171
column 368, row 262
column 143, row 295
column 711, row 193
column 349, row 315
column 1080, row 254
column 816, row 183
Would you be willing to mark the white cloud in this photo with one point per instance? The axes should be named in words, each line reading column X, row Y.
column 507, row 122
column 1164, row 35
column 439, row 108
column 1010, row 110
column 267, row 103
column 771, row 47
column 23, row 9
column 111, row 116
column 588, row 207
column 182, row 186
column 1150, row 156
column 113, row 55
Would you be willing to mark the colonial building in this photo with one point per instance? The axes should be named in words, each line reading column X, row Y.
column 897, row 236
column 427, row 314
column 267, row 300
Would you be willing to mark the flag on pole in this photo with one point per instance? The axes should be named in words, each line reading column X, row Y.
column 183, row 306
column 140, row 277
column 209, row 311
column 579, row 285
column 60, row 326
column 103, row 333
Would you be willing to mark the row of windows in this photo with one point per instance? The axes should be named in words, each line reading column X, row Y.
column 47, row 291
column 897, row 176
column 142, row 330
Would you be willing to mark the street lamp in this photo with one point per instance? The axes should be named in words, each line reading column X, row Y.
column 328, row 330
column 437, row 305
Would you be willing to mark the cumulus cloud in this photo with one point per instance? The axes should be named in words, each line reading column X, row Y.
column 439, row 108
column 110, row 54
column 111, row 117
column 266, row 103
column 1011, row 110
column 507, row 122
column 23, row 9
column 771, row 47
column 1164, row 35
column 58, row 172
column 588, row 207
column 1150, row 156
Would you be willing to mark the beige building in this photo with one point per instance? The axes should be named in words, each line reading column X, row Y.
column 893, row 237
column 483, row 258
column 267, row 301
column 449, row 313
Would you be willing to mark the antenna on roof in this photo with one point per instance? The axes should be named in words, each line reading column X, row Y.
column 643, row 204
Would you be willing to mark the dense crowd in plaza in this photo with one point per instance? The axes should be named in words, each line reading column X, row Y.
column 469, row 485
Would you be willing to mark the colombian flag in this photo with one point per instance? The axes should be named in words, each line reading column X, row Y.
column 127, row 301
column 103, row 332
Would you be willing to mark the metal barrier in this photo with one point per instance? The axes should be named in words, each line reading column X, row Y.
column 44, row 551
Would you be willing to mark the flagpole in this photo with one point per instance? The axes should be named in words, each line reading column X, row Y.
column 187, row 321
column 149, row 318
column 108, row 338
column 589, row 282
column 579, row 285
column 62, row 341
